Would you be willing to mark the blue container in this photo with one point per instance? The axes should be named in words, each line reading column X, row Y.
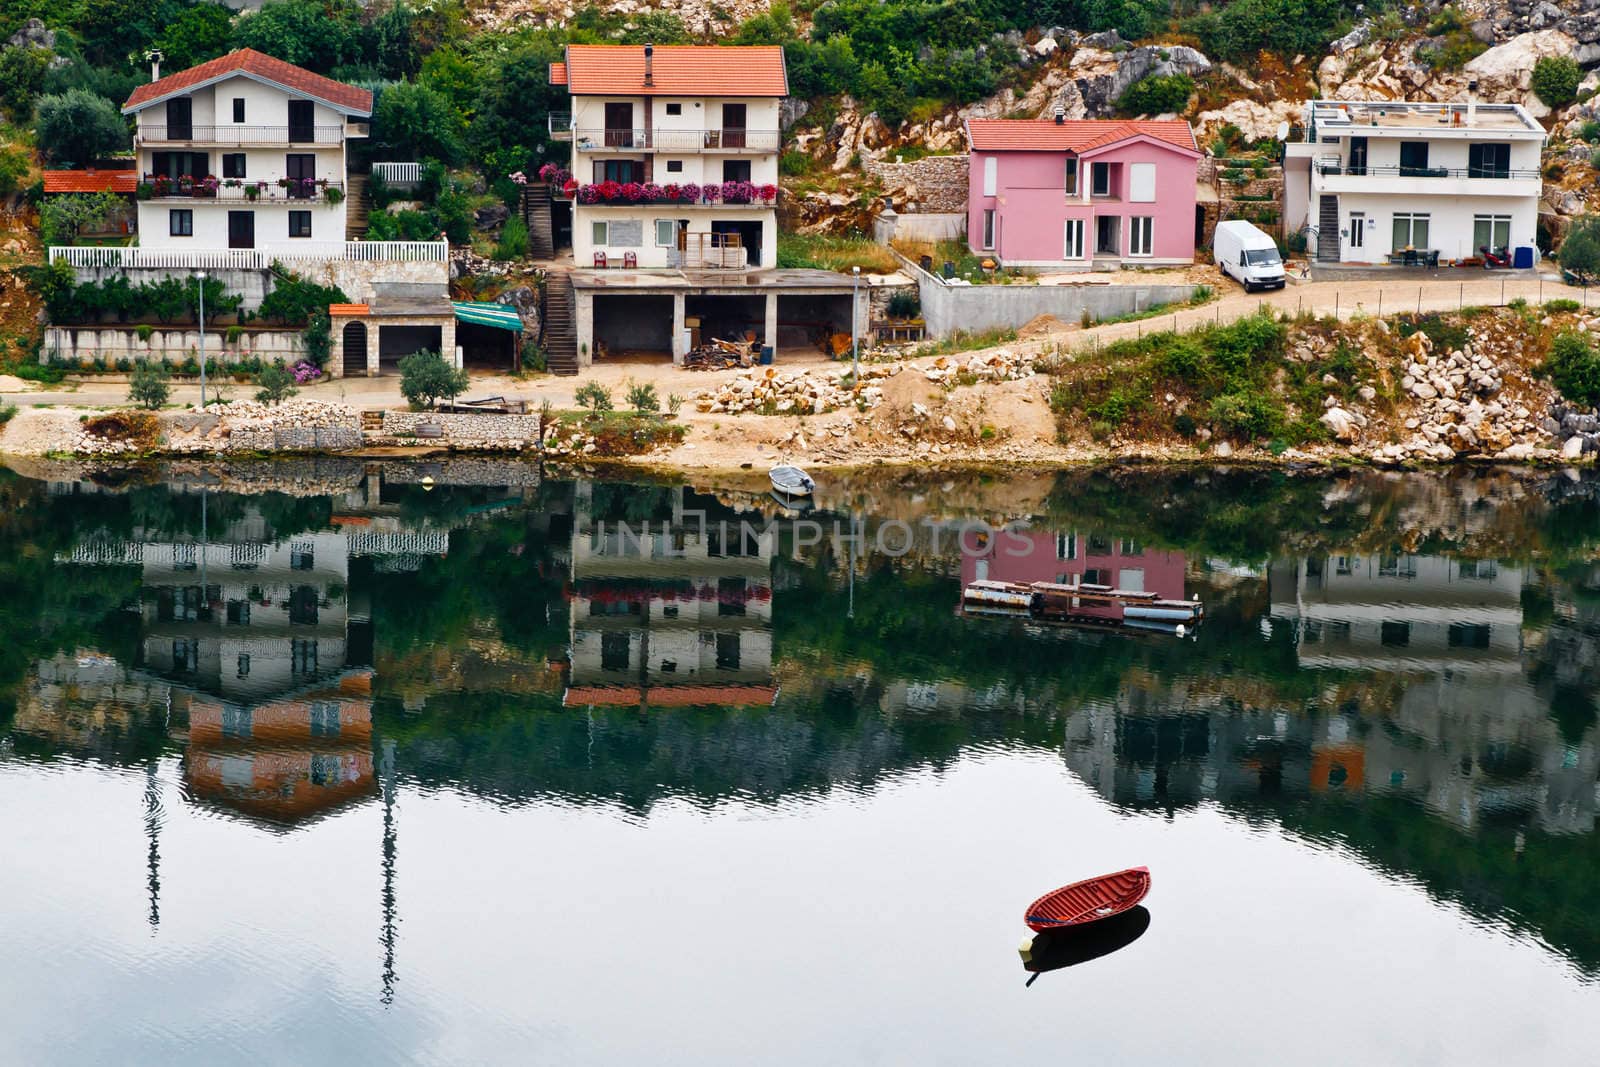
column 766, row 355
column 1522, row 258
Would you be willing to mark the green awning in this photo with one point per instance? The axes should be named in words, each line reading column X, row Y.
column 502, row 315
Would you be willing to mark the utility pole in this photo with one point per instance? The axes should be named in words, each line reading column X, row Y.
column 201, row 277
column 855, row 325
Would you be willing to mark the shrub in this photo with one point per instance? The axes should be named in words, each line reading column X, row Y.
column 1157, row 94
column 1580, row 252
column 1246, row 415
column 79, row 127
column 13, row 168
column 233, row 333
column 643, row 399
column 903, row 305
column 148, row 387
column 793, row 164
column 1555, row 80
column 1556, row 307
column 1574, row 367
column 594, row 397
column 426, row 377
column 513, row 239
column 62, row 217
column 145, row 331
column 1589, row 130
column 1594, row 159
column 1201, row 294
column 674, row 403
column 277, row 383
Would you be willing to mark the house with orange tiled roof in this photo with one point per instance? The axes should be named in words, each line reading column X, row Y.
column 1082, row 194
column 674, row 154
column 245, row 152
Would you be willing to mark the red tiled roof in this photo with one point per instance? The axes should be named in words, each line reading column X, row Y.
column 676, row 70
column 249, row 61
column 673, row 696
column 1074, row 135
column 347, row 309
column 90, row 181
column 558, row 74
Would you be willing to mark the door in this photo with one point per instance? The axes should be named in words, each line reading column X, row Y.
column 301, row 170
column 180, row 119
column 302, row 122
column 241, row 229
column 1358, row 156
column 1107, row 235
column 733, row 129
column 619, row 126
column 1358, row 229
column 355, row 349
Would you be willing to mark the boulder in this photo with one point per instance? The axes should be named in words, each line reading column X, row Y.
column 34, row 34
column 1340, row 423
column 491, row 217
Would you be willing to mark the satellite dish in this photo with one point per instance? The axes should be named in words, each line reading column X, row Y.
column 1283, row 130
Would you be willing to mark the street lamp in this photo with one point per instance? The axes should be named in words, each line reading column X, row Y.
column 855, row 325
column 201, row 278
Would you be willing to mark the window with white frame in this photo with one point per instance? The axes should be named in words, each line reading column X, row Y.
column 1410, row 231
column 666, row 233
column 1099, row 179
column 599, row 234
column 991, row 175
column 1072, row 246
column 1491, row 231
column 988, row 227
column 1141, row 235
column 180, row 222
column 1142, row 182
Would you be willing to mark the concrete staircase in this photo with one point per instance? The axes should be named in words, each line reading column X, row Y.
column 1328, row 229
column 358, row 205
column 536, row 213
column 558, row 325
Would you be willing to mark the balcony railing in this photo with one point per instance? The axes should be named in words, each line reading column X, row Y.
column 267, row 192
column 671, row 140
column 398, row 175
column 250, row 258
column 1335, row 166
column 560, row 126
column 229, row 134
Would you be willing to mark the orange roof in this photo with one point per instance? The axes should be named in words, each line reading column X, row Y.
column 90, row 181
column 1074, row 135
column 348, row 309
column 558, row 74
column 676, row 70
column 673, row 696
column 249, row 61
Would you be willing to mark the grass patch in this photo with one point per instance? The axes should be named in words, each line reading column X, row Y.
column 962, row 341
column 614, row 434
column 826, row 252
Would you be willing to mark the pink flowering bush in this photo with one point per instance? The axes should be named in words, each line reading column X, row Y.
column 689, row 193
column 710, row 191
column 520, row 178
column 306, row 372
column 768, row 193
column 738, row 192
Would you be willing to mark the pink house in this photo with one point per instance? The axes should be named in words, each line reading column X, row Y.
column 1084, row 193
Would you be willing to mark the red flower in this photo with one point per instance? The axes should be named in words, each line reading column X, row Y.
column 769, row 193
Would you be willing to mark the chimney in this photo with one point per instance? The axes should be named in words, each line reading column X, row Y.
column 154, row 56
column 1472, row 101
column 1061, row 116
column 649, row 64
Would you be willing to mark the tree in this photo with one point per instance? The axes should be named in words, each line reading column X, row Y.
column 277, row 383
column 393, row 40
column 594, row 396
column 62, row 217
column 22, row 71
column 425, row 378
column 515, row 87
column 148, row 386
column 302, row 32
column 643, row 399
column 79, row 127
column 1574, row 367
column 199, row 34
column 1555, row 80
column 1580, row 252
column 1159, row 94
column 416, row 122
column 14, row 167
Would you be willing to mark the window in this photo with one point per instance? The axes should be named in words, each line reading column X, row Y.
column 302, row 556
column 674, row 166
column 299, row 224
column 239, row 613
column 666, row 233
column 728, row 652
column 1358, row 228
column 731, row 596
column 238, row 109
column 735, row 170
column 1468, row 635
column 600, row 234
column 236, row 722
column 233, row 164
column 1478, row 569
column 1094, row 576
column 180, row 222
column 988, row 227
column 991, row 175
column 1491, row 231
column 1488, row 161
column 1071, row 185
column 1141, row 235
column 325, row 718
column 674, row 109
column 244, row 665
column 619, row 170
column 1358, row 156
column 1066, row 546
column 1129, row 547
column 614, row 650
column 303, row 606
column 1072, row 246
column 1410, row 231
column 1142, row 182
column 1099, row 179
column 185, row 656
column 1395, row 634
column 303, row 656
column 1413, row 158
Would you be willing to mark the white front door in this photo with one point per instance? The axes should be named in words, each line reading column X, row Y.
column 1357, row 238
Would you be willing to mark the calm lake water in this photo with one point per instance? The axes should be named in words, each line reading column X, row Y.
column 460, row 764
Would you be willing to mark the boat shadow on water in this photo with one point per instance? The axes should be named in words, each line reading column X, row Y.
column 1053, row 950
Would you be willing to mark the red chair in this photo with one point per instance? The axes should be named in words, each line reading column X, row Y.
column 629, row 259
column 600, row 260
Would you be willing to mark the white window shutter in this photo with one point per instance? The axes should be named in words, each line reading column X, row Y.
column 1142, row 183
column 991, row 175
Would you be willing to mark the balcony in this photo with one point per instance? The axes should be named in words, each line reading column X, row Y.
column 674, row 140
column 267, row 191
column 1334, row 176
column 560, row 125
column 230, row 135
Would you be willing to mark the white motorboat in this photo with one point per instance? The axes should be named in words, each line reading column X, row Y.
column 791, row 481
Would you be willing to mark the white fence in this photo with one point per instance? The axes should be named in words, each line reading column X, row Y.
column 252, row 258
column 398, row 174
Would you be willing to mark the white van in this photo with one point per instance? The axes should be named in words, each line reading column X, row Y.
column 1247, row 255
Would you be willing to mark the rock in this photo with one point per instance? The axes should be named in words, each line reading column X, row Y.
column 1046, row 47
column 1573, row 449
column 1223, row 450
column 34, row 34
column 949, row 424
column 490, row 217
column 1424, row 390
column 1340, row 423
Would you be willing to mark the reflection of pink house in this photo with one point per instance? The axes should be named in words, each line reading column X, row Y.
column 1073, row 559
column 1082, row 193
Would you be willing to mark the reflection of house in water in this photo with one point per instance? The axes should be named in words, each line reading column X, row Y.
column 1072, row 558
column 671, row 600
column 1401, row 612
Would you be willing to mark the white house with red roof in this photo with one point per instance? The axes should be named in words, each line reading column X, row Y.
column 1083, row 193
column 674, row 154
column 245, row 152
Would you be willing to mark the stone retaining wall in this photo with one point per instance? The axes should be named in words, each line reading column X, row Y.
column 174, row 344
column 511, row 430
column 929, row 185
column 355, row 277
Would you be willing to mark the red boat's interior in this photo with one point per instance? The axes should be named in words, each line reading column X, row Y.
column 1094, row 898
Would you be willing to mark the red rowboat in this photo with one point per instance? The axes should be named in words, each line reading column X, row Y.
column 1089, row 901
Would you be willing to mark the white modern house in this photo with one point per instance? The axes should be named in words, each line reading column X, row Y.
column 1393, row 181
column 245, row 152
column 674, row 154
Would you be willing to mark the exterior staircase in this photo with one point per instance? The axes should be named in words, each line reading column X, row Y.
column 372, row 421
column 1328, row 229
column 358, row 205
column 558, row 325
column 536, row 213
